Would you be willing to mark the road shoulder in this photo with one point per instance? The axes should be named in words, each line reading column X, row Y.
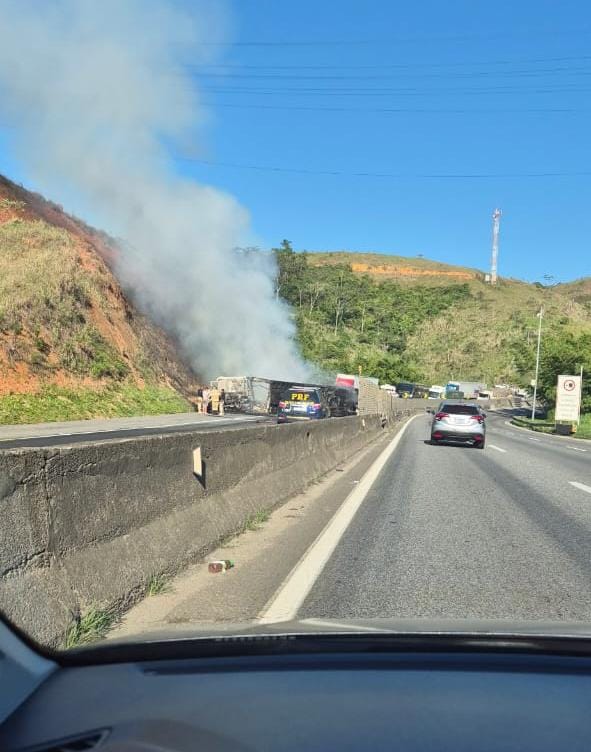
column 262, row 558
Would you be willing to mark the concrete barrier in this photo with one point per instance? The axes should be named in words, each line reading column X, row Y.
column 89, row 524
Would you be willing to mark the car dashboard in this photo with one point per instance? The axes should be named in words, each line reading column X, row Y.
column 343, row 692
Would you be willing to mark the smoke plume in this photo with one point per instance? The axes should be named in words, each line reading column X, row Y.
column 98, row 95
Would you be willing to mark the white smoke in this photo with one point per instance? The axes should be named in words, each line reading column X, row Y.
column 98, row 94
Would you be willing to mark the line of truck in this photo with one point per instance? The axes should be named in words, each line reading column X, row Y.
column 259, row 395
column 452, row 390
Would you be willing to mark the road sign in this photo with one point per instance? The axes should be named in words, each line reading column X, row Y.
column 568, row 398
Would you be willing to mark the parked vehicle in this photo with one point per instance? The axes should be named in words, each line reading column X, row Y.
column 405, row 389
column 420, row 391
column 459, row 423
column 342, row 401
column 468, row 389
column 302, row 403
column 347, row 379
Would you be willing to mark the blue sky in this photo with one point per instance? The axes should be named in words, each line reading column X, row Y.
column 546, row 222
column 479, row 89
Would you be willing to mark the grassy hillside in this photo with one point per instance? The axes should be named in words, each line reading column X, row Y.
column 492, row 336
column 398, row 268
column 53, row 403
column 579, row 290
column 412, row 318
column 71, row 344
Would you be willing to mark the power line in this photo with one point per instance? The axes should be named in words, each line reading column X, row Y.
column 381, row 77
column 396, row 110
column 528, row 31
column 381, row 66
column 397, row 176
column 387, row 91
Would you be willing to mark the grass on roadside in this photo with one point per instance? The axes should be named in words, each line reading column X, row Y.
column 584, row 429
column 252, row 523
column 89, row 627
column 541, row 425
column 257, row 520
column 547, row 425
column 159, row 583
column 57, row 404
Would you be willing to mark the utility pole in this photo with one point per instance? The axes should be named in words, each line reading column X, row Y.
column 496, row 217
column 581, row 395
column 540, row 316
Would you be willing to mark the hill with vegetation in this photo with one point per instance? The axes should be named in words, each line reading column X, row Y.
column 72, row 345
column 403, row 318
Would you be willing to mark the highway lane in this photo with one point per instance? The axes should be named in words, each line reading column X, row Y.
column 462, row 533
column 74, row 432
column 101, row 429
column 443, row 532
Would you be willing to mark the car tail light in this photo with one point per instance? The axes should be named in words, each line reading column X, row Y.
column 441, row 416
column 437, row 436
column 479, row 418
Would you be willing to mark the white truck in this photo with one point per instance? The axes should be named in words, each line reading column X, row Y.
column 468, row 389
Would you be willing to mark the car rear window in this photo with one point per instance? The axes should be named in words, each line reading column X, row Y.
column 460, row 409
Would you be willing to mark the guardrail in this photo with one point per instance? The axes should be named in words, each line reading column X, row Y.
column 88, row 525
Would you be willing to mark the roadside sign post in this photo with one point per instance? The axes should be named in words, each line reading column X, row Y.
column 533, row 407
column 568, row 399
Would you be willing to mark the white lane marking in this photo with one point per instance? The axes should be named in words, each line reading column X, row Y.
column 286, row 602
column 580, row 486
column 576, row 449
column 531, row 438
column 492, row 446
column 339, row 625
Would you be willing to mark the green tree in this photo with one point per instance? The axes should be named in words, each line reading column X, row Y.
column 291, row 277
column 565, row 353
column 346, row 320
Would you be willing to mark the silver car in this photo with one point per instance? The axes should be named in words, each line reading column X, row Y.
column 459, row 423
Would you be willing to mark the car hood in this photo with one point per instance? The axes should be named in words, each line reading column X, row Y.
column 388, row 626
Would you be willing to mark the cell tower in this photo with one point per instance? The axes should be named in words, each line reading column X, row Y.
column 496, row 217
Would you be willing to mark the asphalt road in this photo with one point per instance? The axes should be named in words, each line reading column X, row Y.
column 102, row 429
column 443, row 533
column 455, row 532
column 76, row 431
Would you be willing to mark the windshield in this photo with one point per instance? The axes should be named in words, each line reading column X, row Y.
column 452, row 409
column 246, row 251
